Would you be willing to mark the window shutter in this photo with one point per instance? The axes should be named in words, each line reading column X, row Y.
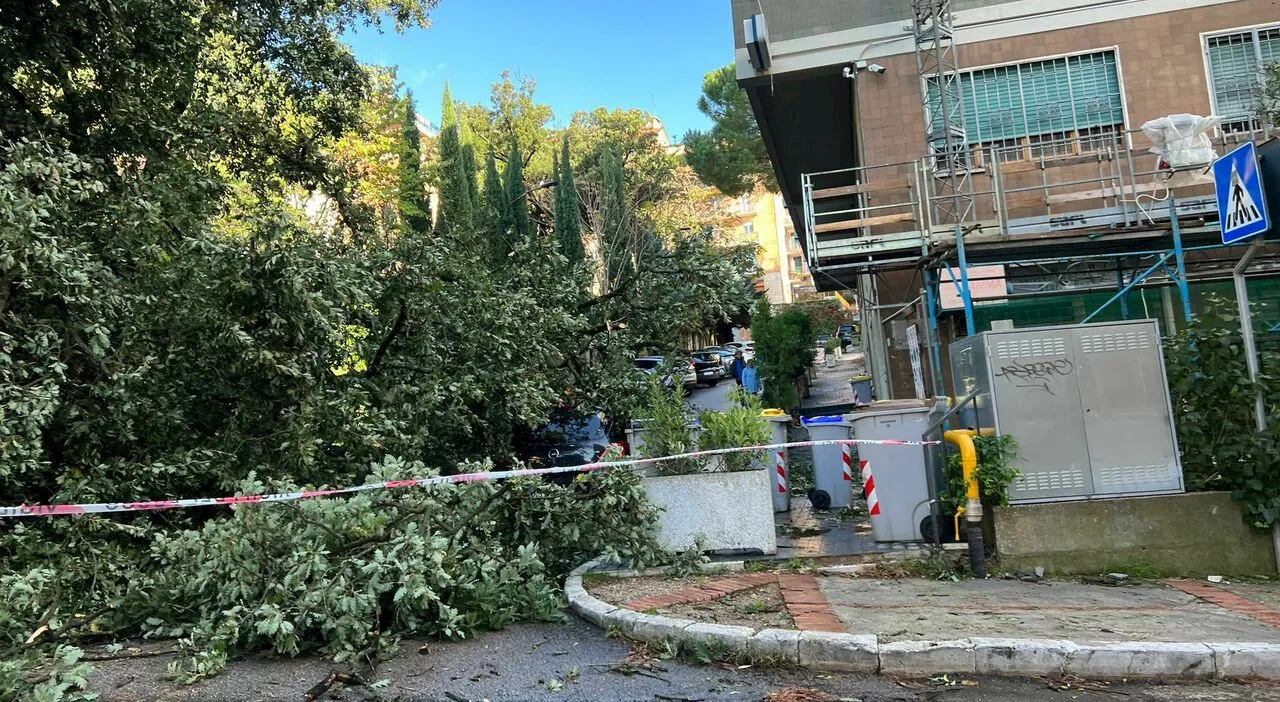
column 1233, row 67
column 1095, row 90
column 1038, row 98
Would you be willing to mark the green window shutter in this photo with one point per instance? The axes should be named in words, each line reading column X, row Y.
column 1048, row 96
column 1095, row 90
column 1234, row 70
column 996, row 105
column 1040, row 97
column 1269, row 44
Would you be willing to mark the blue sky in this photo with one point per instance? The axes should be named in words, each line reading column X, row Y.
column 648, row 55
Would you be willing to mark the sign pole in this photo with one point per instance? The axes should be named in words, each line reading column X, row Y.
column 1242, row 211
column 1246, row 331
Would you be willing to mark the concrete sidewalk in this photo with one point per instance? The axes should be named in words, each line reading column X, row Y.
column 844, row 618
column 917, row 609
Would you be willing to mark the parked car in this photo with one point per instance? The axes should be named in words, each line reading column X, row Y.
column 708, row 366
column 726, row 359
column 748, row 348
column 683, row 368
column 570, row 438
column 845, row 331
column 676, row 370
column 652, row 365
column 822, row 340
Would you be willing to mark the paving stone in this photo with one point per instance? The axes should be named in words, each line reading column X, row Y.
column 591, row 609
column 1147, row 659
column 655, row 627
column 782, row 645
column 823, row 650
column 735, row 637
column 999, row 656
column 1246, row 660
column 573, row 587
column 928, row 657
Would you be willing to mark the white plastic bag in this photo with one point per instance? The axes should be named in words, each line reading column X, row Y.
column 1182, row 141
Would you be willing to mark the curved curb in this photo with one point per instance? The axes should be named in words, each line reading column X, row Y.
column 864, row 653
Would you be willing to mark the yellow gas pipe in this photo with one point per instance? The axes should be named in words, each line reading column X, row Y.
column 962, row 439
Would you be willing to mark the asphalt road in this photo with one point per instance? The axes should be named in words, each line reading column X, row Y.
column 712, row 398
column 575, row 662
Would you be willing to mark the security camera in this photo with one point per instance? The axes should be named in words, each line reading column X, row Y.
column 875, row 68
column 849, row 72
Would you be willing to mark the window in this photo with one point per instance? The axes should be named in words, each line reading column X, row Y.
column 795, row 242
column 749, row 228
column 797, row 264
column 744, row 204
column 1235, row 62
column 1038, row 109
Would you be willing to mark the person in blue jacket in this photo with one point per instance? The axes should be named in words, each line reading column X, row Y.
column 751, row 378
column 738, row 366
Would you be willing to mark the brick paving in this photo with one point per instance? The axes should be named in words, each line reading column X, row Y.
column 702, row 593
column 806, row 604
column 804, row 601
column 1227, row 600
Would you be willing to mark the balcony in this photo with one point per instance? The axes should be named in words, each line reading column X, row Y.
column 1076, row 194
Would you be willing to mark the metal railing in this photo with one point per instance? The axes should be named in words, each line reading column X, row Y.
column 1101, row 179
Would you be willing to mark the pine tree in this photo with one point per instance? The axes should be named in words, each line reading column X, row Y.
column 497, row 213
column 521, row 224
column 567, row 214
column 412, row 201
column 456, row 202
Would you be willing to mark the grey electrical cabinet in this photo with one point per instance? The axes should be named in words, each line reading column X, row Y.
column 1088, row 405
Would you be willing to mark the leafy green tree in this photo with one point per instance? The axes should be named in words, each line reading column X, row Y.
column 415, row 208
column 568, row 217
column 784, row 351
column 1213, row 407
column 731, row 156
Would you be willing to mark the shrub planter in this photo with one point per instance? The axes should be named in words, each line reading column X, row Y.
column 731, row 511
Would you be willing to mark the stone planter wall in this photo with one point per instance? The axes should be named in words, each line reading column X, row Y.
column 732, row 511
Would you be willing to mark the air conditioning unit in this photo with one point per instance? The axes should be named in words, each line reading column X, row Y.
column 757, row 38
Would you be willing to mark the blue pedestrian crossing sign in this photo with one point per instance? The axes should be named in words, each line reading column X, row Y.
column 1242, row 207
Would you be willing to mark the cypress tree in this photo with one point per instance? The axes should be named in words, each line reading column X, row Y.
column 456, row 202
column 412, row 201
column 568, row 214
column 497, row 215
column 521, row 225
column 616, row 234
column 470, row 165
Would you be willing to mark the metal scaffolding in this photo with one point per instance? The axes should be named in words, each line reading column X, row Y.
column 941, row 92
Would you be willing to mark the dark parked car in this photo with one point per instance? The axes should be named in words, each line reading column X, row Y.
column 709, row 367
column 570, row 438
column 726, row 359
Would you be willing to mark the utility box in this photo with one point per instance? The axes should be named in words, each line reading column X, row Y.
column 1088, row 405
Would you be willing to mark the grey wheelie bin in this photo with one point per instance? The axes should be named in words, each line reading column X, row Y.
column 833, row 484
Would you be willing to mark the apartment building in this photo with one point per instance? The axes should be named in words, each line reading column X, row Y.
column 908, row 134
column 760, row 218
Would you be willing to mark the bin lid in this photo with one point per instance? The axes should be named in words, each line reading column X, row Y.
column 860, row 378
column 884, row 407
column 829, row 419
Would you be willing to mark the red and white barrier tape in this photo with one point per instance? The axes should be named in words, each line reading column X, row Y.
column 116, row 507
